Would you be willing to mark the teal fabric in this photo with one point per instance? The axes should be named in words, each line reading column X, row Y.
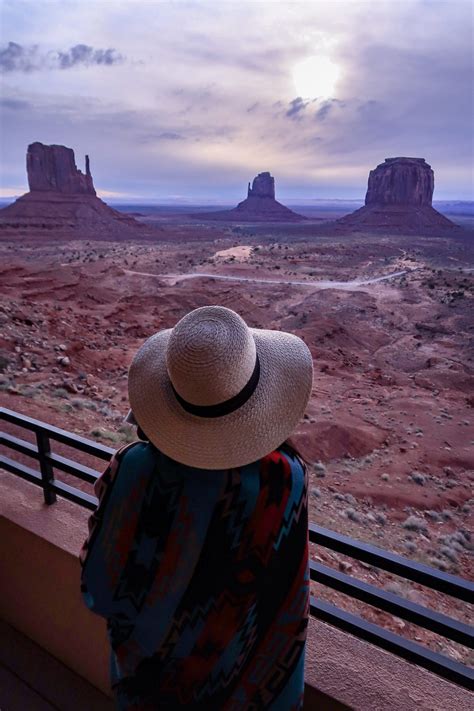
column 203, row 579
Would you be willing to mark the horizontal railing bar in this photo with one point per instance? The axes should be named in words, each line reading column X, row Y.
column 68, row 492
column 432, row 661
column 75, row 495
column 393, row 563
column 394, row 604
column 21, row 470
column 73, row 440
column 63, row 463
column 70, row 467
column 19, row 445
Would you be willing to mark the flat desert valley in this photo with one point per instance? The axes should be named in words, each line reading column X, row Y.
column 389, row 321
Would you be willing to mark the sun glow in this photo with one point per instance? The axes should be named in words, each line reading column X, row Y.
column 316, row 77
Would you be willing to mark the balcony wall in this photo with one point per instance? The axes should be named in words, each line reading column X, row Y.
column 40, row 597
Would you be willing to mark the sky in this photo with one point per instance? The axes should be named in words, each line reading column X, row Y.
column 190, row 100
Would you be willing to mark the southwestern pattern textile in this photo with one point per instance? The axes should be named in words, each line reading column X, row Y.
column 203, row 579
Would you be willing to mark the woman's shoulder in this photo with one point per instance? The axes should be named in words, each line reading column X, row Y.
column 284, row 455
column 138, row 451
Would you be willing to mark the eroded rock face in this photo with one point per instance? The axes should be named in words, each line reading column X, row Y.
column 259, row 205
column 53, row 168
column 401, row 181
column 398, row 201
column 263, row 186
column 62, row 200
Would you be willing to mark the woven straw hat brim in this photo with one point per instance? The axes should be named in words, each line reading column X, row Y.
column 241, row 437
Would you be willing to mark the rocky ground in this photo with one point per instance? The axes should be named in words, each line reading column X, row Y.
column 388, row 430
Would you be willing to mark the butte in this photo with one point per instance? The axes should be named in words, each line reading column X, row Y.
column 398, row 200
column 259, row 206
column 62, row 199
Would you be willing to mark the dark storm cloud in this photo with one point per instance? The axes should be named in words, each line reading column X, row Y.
column 15, row 58
column 296, row 106
column 83, row 54
column 326, row 107
column 19, row 58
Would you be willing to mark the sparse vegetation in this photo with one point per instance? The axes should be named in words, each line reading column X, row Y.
column 415, row 523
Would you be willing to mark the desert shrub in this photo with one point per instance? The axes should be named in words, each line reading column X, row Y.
column 319, row 469
column 29, row 390
column 418, row 478
column 353, row 515
column 447, row 515
column 434, row 516
column 60, row 392
column 437, row 563
column 107, row 411
column 127, row 435
column 104, row 434
column 415, row 523
column 449, row 553
column 457, row 540
column 315, row 492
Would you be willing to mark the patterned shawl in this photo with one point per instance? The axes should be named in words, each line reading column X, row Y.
column 203, row 578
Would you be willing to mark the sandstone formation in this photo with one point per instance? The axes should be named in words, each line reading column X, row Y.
column 54, row 168
column 259, row 206
column 263, row 186
column 62, row 198
column 399, row 199
column 401, row 181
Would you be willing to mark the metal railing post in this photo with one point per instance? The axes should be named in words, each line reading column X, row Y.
column 47, row 476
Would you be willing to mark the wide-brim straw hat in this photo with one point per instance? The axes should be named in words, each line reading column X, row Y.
column 213, row 393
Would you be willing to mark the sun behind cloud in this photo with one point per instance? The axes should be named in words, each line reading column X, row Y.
column 316, row 77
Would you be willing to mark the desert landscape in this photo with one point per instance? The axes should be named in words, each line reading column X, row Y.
column 387, row 316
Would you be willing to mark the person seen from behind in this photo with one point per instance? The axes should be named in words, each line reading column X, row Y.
column 197, row 554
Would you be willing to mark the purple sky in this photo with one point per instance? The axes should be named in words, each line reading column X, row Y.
column 193, row 99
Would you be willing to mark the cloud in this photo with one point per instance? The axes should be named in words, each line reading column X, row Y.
column 213, row 102
column 19, row 58
column 327, row 106
column 85, row 55
column 296, row 106
column 14, row 58
column 14, row 104
column 153, row 137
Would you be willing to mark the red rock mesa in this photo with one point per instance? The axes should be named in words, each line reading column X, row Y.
column 259, row 206
column 61, row 197
column 399, row 199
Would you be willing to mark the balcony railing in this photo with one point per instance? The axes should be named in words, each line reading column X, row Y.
column 424, row 617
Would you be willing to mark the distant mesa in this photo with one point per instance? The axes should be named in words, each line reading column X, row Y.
column 401, row 181
column 399, row 199
column 61, row 197
column 263, row 186
column 53, row 168
column 259, row 206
